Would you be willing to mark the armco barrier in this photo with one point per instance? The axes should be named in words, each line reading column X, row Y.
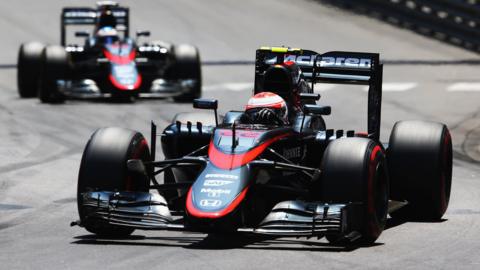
column 454, row 21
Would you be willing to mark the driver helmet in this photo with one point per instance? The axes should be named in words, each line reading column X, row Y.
column 107, row 34
column 268, row 100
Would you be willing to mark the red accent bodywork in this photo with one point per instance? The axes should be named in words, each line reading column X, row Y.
column 228, row 162
column 231, row 161
column 122, row 60
column 118, row 59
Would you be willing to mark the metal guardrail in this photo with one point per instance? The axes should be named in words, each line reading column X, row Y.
column 454, row 21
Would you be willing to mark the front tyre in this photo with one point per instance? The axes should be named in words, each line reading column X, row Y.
column 354, row 170
column 104, row 168
column 54, row 66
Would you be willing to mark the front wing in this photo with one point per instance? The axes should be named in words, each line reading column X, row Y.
column 160, row 88
column 148, row 211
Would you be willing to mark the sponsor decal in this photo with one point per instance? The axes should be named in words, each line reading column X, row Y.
column 326, row 61
column 215, row 192
column 92, row 14
column 246, row 134
column 292, row 152
column 300, row 59
column 225, row 176
column 73, row 14
column 345, row 62
column 216, row 183
column 210, row 203
column 119, row 13
column 125, row 74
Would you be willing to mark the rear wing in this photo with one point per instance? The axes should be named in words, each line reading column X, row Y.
column 332, row 67
column 88, row 16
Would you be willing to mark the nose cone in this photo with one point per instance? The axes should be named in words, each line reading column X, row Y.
column 125, row 76
column 217, row 193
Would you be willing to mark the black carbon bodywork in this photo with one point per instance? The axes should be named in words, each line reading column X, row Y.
column 291, row 178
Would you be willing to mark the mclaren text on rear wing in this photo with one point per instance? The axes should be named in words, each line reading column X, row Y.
column 331, row 67
column 336, row 67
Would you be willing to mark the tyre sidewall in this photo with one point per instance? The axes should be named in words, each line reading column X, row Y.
column 54, row 66
column 354, row 170
column 28, row 67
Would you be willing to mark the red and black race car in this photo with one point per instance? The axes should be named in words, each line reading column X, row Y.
column 284, row 177
column 109, row 63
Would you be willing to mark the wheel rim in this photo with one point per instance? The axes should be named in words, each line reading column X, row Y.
column 446, row 172
column 380, row 194
column 377, row 195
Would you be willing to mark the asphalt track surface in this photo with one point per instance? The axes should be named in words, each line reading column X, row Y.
column 41, row 145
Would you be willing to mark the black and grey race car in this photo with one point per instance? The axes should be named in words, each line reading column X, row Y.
column 109, row 63
column 282, row 179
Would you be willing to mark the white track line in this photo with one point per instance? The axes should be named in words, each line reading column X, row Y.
column 387, row 87
column 245, row 86
column 236, row 87
column 320, row 87
column 464, row 87
column 396, row 87
column 399, row 87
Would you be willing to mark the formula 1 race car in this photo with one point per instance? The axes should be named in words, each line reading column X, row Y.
column 109, row 63
column 283, row 178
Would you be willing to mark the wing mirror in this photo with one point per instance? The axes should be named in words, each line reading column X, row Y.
column 85, row 34
column 317, row 109
column 208, row 104
column 309, row 96
column 205, row 103
column 143, row 34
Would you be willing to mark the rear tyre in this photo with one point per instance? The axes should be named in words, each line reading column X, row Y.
column 420, row 165
column 54, row 66
column 28, row 67
column 186, row 67
column 104, row 168
column 354, row 170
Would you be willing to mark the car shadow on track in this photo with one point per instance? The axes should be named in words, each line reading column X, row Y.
column 218, row 242
column 222, row 242
column 137, row 240
column 394, row 222
column 235, row 241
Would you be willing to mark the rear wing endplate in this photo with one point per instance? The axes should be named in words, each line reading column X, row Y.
column 336, row 67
